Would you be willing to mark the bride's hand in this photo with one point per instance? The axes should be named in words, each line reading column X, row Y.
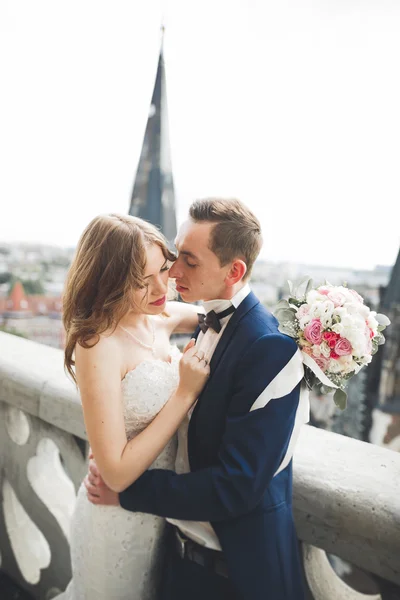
column 194, row 372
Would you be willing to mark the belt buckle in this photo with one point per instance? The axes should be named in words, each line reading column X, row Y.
column 181, row 543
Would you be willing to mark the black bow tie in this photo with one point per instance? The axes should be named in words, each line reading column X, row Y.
column 211, row 319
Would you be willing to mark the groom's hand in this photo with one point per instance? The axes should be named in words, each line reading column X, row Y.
column 97, row 491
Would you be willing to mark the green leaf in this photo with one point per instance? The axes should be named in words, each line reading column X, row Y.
column 340, row 399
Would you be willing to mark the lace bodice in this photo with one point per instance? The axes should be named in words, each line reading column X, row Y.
column 146, row 389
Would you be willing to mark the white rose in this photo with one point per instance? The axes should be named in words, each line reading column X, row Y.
column 315, row 311
column 325, row 350
column 327, row 308
column 335, row 366
column 314, row 296
column 363, row 311
column 366, row 359
column 346, row 363
column 304, row 321
column 339, row 329
column 352, row 309
column 372, row 323
column 326, row 322
column 316, row 351
column 340, row 311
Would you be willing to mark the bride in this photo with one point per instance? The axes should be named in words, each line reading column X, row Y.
column 135, row 390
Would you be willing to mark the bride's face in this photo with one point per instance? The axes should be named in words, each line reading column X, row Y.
column 153, row 297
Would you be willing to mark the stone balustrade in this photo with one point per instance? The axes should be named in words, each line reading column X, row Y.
column 346, row 492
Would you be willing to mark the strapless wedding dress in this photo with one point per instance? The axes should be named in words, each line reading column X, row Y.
column 117, row 554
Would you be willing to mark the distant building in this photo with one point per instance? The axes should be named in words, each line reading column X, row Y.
column 384, row 374
column 38, row 318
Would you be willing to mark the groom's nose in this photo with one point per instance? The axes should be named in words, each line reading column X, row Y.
column 175, row 270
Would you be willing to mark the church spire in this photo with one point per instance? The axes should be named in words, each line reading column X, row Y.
column 153, row 197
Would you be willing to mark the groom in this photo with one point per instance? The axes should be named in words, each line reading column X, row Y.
column 230, row 502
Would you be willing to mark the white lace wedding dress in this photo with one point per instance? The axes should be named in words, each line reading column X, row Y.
column 117, row 554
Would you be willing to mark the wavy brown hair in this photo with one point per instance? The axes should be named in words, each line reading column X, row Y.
column 108, row 265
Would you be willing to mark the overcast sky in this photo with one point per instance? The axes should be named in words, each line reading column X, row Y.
column 293, row 106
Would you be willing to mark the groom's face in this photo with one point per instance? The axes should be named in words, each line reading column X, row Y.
column 197, row 270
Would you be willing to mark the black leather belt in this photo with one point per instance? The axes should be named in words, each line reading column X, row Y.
column 212, row 559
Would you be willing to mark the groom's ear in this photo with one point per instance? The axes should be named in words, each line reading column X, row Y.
column 236, row 272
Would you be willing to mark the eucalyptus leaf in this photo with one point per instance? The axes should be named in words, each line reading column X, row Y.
column 381, row 327
column 309, row 286
column 305, row 280
column 340, row 399
column 286, row 331
column 296, row 302
column 380, row 339
column 382, row 319
column 282, row 304
column 285, row 314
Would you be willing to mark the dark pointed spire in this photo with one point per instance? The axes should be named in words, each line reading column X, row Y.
column 153, row 197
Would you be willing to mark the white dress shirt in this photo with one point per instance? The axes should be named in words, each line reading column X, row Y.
column 200, row 531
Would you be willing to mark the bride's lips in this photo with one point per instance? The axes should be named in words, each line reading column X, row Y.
column 159, row 302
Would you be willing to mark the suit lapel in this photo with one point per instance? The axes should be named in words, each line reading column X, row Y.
column 243, row 308
column 247, row 304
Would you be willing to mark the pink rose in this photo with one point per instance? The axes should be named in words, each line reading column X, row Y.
column 313, row 332
column 343, row 347
column 323, row 290
column 337, row 298
column 322, row 362
column 357, row 296
column 330, row 338
column 334, row 355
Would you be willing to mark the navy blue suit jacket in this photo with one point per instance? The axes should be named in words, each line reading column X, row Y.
column 234, row 454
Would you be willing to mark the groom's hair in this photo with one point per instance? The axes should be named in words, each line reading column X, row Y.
column 237, row 231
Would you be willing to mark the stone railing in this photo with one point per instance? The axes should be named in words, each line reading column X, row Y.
column 42, row 462
column 346, row 492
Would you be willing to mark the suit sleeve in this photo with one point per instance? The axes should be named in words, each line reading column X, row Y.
column 252, row 448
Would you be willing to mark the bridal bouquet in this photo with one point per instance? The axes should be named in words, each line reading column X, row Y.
column 335, row 331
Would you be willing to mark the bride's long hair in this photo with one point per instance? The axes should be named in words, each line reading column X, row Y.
column 108, row 265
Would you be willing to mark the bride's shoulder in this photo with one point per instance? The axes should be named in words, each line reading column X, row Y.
column 98, row 346
column 180, row 317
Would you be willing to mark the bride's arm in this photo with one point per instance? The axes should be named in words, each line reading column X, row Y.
column 98, row 371
column 182, row 317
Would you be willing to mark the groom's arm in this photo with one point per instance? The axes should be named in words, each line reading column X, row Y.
column 251, row 451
